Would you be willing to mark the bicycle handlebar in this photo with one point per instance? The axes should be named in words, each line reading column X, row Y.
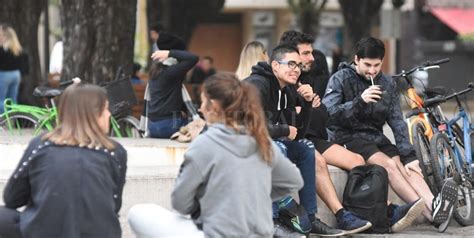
column 437, row 62
column 69, row 82
column 424, row 66
column 441, row 99
column 468, row 89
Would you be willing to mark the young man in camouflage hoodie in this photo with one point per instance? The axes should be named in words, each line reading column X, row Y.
column 360, row 99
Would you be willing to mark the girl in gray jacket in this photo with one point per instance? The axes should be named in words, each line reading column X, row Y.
column 230, row 174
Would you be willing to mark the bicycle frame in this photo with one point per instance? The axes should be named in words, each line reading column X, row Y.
column 115, row 127
column 417, row 103
column 45, row 116
column 423, row 118
column 467, row 128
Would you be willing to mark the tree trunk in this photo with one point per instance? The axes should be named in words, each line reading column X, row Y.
column 359, row 17
column 307, row 13
column 98, row 38
column 182, row 16
column 23, row 16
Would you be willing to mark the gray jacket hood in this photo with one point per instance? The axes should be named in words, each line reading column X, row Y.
column 236, row 142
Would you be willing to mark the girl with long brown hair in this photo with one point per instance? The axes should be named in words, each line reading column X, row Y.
column 71, row 179
column 230, row 174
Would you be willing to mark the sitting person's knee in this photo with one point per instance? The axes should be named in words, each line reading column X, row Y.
column 358, row 159
column 320, row 161
column 390, row 166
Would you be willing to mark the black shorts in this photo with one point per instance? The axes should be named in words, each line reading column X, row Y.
column 368, row 148
column 320, row 145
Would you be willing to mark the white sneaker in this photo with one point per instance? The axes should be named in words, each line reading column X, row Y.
column 443, row 204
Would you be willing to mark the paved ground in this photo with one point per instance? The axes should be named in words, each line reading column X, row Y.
column 427, row 231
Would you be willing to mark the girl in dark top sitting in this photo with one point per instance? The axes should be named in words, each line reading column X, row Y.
column 167, row 74
column 71, row 179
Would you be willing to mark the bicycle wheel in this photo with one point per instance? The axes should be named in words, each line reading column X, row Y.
column 18, row 123
column 128, row 127
column 444, row 167
column 421, row 145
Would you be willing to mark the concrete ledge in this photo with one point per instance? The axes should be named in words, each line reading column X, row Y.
column 153, row 165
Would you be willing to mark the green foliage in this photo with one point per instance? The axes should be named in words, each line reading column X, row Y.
column 54, row 2
column 469, row 37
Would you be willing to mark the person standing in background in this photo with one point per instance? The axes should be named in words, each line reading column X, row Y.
column 13, row 63
column 154, row 35
column 203, row 70
column 252, row 53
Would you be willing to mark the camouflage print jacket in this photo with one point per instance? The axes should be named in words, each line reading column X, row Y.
column 351, row 118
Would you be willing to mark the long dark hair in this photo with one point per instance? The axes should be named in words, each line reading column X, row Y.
column 241, row 107
column 156, row 68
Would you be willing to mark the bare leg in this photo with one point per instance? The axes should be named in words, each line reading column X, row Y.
column 419, row 185
column 343, row 158
column 340, row 157
column 324, row 185
column 398, row 183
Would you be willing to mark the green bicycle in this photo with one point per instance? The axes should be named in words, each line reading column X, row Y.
column 21, row 119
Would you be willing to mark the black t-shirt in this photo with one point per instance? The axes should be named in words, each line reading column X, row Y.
column 319, row 116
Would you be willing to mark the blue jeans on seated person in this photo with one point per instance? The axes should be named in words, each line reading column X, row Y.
column 302, row 155
column 166, row 127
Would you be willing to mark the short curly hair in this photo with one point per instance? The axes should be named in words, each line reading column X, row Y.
column 296, row 37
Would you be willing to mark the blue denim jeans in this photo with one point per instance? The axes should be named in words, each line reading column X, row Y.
column 302, row 154
column 9, row 85
column 166, row 127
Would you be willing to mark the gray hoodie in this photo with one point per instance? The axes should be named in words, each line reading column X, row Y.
column 226, row 186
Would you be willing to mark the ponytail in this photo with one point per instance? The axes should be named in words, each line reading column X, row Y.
column 255, row 120
column 241, row 107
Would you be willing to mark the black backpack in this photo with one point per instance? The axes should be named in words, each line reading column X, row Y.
column 366, row 195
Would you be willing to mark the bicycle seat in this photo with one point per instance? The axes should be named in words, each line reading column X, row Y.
column 43, row 91
column 436, row 91
column 430, row 102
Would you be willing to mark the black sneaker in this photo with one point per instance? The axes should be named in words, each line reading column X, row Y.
column 322, row 229
column 280, row 230
column 351, row 223
column 443, row 204
column 294, row 215
column 403, row 216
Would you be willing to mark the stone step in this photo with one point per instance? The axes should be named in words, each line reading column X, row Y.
column 153, row 165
